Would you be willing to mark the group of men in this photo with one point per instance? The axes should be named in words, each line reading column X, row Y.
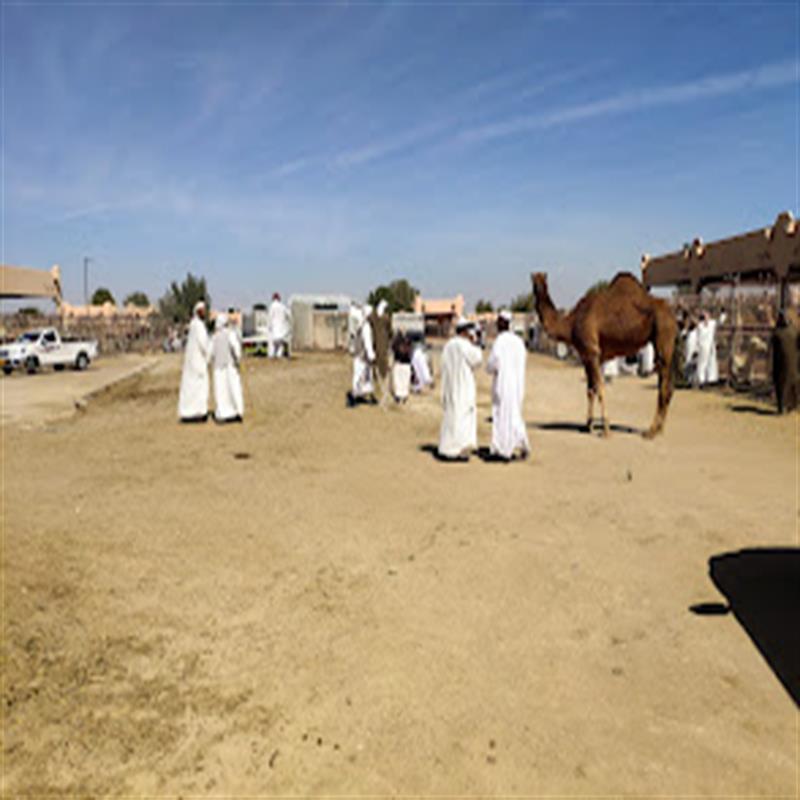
column 370, row 342
column 223, row 353
column 461, row 356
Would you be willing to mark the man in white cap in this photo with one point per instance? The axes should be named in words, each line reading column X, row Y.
column 193, row 399
column 279, row 322
column 507, row 366
column 458, row 436
column 226, row 355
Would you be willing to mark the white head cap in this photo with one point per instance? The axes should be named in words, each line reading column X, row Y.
column 382, row 306
column 221, row 321
column 198, row 305
column 462, row 323
column 506, row 315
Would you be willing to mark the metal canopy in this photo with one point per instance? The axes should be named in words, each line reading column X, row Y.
column 771, row 253
column 17, row 282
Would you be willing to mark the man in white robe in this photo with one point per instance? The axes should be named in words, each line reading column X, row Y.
column 355, row 317
column 458, row 436
column 421, row 377
column 363, row 388
column 279, row 322
column 647, row 360
column 193, row 398
column 226, row 355
column 707, row 366
column 690, row 354
column 507, row 365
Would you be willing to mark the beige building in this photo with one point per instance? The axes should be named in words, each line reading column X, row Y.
column 440, row 313
column 107, row 310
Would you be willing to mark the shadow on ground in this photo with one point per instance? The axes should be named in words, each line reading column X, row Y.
column 578, row 427
column 433, row 451
column 762, row 587
column 483, row 453
column 749, row 408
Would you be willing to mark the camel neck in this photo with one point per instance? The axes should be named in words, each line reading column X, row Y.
column 556, row 324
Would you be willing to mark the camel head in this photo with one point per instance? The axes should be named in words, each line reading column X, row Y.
column 539, row 280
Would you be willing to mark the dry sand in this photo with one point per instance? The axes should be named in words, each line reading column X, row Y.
column 310, row 603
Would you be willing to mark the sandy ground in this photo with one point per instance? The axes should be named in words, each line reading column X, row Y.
column 49, row 395
column 310, row 603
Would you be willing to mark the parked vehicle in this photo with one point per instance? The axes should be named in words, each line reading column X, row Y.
column 45, row 348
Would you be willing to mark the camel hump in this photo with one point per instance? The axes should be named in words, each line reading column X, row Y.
column 624, row 277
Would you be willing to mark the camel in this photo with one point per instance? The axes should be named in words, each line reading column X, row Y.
column 616, row 320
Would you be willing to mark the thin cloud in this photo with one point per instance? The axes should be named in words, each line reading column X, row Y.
column 765, row 77
column 291, row 167
column 388, row 146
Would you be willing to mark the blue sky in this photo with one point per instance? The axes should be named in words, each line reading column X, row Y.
column 335, row 146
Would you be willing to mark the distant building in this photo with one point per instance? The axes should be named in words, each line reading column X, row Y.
column 440, row 313
column 319, row 321
column 107, row 310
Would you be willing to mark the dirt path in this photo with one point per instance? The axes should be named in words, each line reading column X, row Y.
column 311, row 603
column 50, row 395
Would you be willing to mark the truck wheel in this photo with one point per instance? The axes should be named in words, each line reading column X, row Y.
column 82, row 361
column 7, row 370
column 31, row 364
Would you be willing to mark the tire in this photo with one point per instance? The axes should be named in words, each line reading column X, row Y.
column 81, row 362
column 31, row 365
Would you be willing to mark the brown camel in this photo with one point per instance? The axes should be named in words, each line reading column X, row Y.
column 617, row 320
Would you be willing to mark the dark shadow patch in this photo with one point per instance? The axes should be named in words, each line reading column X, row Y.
column 710, row 609
column 577, row 427
column 433, row 451
column 487, row 456
column 762, row 587
column 242, row 456
column 749, row 408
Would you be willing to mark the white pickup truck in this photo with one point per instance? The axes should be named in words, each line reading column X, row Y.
column 43, row 348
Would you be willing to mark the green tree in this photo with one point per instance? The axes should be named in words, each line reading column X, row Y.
column 484, row 307
column 523, row 302
column 399, row 295
column 179, row 301
column 29, row 311
column 139, row 299
column 102, row 295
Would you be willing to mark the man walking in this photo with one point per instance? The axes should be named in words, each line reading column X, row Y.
column 193, row 399
column 458, row 436
column 226, row 355
column 279, row 321
column 507, row 365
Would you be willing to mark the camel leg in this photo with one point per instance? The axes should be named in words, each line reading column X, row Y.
column 598, row 389
column 601, row 391
column 591, row 390
column 664, row 354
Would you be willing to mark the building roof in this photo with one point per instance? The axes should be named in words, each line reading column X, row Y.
column 340, row 300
